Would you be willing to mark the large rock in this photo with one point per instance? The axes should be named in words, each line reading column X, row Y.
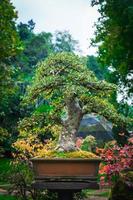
column 97, row 126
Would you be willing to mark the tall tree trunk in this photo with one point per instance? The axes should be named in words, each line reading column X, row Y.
column 67, row 138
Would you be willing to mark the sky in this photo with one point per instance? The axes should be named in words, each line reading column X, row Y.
column 75, row 16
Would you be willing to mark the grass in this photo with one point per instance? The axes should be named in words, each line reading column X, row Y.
column 103, row 194
column 7, row 197
column 5, row 170
column 98, row 193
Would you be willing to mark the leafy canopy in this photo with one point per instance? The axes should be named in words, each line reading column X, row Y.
column 62, row 78
column 9, row 46
column 114, row 33
column 64, row 42
column 9, row 40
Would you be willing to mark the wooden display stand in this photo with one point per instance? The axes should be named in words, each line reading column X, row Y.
column 66, row 188
column 65, row 176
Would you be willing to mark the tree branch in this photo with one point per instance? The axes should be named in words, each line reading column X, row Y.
column 98, row 86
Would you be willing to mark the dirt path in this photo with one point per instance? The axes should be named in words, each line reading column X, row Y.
column 2, row 191
column 97, row 198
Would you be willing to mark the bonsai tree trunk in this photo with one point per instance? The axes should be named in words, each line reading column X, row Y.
column 67, row 138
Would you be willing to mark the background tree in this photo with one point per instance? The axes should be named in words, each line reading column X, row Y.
column 72, row 91
column 64, row 42
column 93, row 65
column 25, row 31
column 36, row 47
column 114, row 30
column 10, row 45
column 114, row 34
column 9, row 41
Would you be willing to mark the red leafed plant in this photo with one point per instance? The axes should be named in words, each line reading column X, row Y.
column 115, row 160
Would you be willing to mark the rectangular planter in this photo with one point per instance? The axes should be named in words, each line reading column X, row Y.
column 65, row 168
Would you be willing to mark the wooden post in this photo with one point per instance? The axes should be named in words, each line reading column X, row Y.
column 65, row 195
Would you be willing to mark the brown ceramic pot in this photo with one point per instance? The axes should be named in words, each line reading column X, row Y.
column 46, row 168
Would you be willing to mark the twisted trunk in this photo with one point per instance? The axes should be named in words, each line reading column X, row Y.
column 70, row 125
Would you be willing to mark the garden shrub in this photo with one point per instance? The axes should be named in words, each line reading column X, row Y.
column 21, row 184
column 89, row 143
column 115, row 160
column 120, row 134
column 116, row 169
column 123, row 188
column 3, row 141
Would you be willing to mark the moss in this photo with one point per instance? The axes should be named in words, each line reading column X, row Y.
column 72, row 154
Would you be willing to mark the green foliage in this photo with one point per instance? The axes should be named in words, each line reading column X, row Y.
column 8, row 104
column 63, row 76
column 7, row 88
column 123, row 187
column 47, row 195
column 95, row 66
column 5, row 170
column 126, row 109
column 19, row 177
column 120, row 134
column 66, row 84
column 36, row 48
column 26, row 30
column 64, row 42
column 89, row 143
column 9, row 41
column 32, row 125
column 10, row 45
column 45, row 108
column 20, row 180
column 14, row 79
column 114, row 33
column 3, row 141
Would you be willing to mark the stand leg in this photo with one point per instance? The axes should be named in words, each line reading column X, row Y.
column 65, row 195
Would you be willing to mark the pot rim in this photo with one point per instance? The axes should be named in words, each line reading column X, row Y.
column 65, row 159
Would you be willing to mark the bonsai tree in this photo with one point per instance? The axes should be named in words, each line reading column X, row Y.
column 64, row 81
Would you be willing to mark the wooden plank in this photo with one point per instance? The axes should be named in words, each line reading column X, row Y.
column 66, row 178
column 65, row 185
